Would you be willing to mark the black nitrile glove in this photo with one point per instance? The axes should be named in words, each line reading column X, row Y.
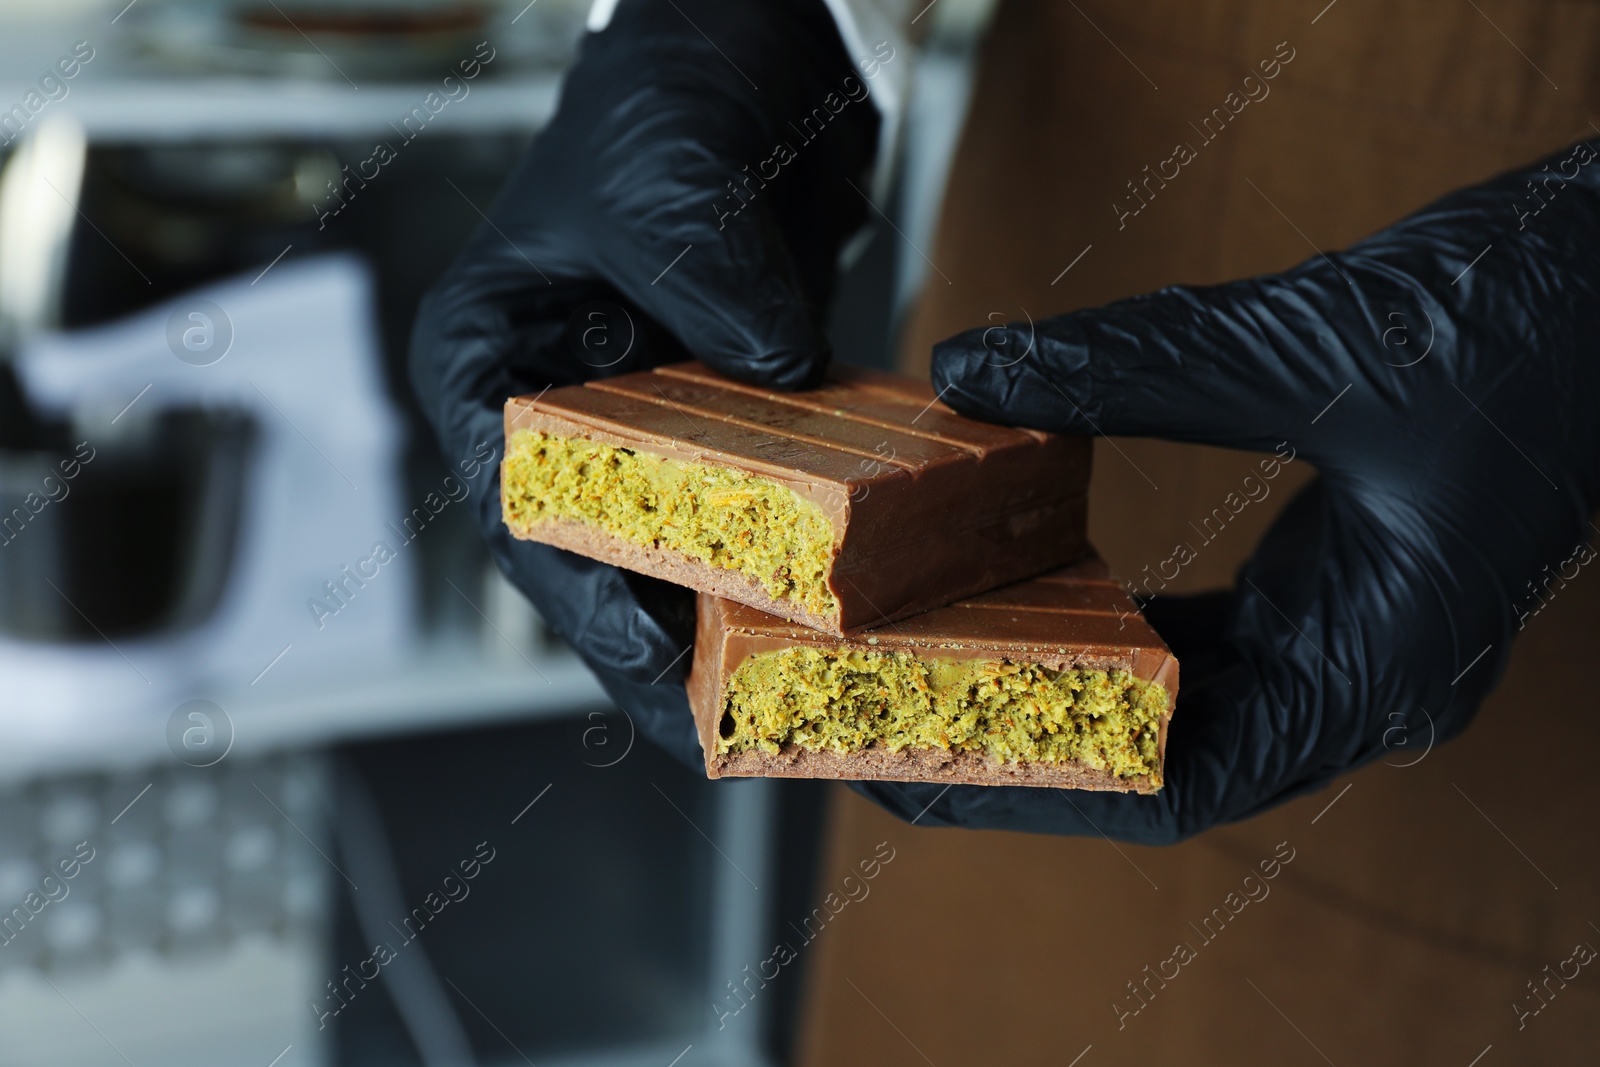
column 1463, row 460
column 653, row 220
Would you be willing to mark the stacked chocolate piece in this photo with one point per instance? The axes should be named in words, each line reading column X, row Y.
column 887, row 589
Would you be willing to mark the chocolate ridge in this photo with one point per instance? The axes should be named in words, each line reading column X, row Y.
column 889, row 396
column 752, row 424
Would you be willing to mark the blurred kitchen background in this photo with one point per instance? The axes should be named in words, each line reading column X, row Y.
column 240, row 746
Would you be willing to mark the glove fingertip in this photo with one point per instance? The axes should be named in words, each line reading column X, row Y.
column 975, row 379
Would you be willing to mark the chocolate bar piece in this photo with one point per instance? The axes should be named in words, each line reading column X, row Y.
column 1055, row 681
column 861, row 501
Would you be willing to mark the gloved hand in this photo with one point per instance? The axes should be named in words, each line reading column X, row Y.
column 655, row 219
column 1460, row 459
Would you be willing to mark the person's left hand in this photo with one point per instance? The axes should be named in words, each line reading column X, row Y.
column 1454, row 469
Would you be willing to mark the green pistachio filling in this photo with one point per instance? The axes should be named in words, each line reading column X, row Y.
column 845, row 700
column 720, row 516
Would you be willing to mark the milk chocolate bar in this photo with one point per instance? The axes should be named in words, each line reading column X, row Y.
column 859, row 502
column 1055, row 681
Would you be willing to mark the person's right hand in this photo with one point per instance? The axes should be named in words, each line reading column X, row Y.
column 655, row 219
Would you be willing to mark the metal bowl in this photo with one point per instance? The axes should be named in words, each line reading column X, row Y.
column 126, row 536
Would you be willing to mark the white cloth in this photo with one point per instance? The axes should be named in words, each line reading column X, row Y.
column 300, row 352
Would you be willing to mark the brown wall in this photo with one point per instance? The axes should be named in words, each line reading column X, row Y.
column 1420, row 904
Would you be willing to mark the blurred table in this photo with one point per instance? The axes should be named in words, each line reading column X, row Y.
column 450, row 684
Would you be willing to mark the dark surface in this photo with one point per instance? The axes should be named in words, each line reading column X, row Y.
column 590, row 926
